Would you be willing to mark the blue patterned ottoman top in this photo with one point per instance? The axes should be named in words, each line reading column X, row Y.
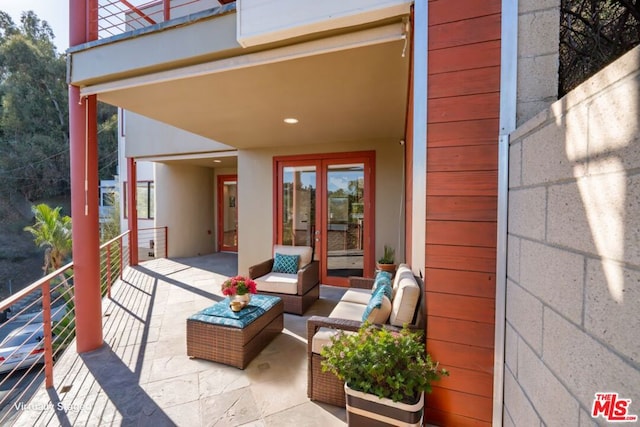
column 221, row 313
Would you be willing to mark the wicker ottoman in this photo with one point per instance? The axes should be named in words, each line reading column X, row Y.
column 221, row 335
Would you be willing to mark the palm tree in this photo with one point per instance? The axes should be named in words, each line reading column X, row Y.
column 51, row 231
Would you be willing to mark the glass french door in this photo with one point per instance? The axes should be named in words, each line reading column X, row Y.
column 228, row 213
column 326, row 203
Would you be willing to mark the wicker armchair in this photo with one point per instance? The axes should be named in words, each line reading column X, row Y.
column 298, row 291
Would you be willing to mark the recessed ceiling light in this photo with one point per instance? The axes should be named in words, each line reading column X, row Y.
column 217, row 161
column 291, row 120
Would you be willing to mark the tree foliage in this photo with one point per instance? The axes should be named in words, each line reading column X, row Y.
column 34, row 124
column 51, row 231
column 594, row 33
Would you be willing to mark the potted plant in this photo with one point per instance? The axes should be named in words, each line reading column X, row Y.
column 386, row 373
column 387, row 262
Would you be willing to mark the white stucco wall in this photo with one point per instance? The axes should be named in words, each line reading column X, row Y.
column 255, row 189
column 147, row 138
column 185, row 203
column 574, row 253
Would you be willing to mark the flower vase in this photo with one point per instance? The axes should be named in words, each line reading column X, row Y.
column 244, row 298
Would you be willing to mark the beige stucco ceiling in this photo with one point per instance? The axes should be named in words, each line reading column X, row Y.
column 345, row 95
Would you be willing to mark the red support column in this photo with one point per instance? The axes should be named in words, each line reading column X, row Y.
column 83, row 136
column 132, row 211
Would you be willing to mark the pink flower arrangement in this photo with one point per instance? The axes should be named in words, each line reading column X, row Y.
column 239, row 285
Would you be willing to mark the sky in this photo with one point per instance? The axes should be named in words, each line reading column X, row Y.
column 55, row 12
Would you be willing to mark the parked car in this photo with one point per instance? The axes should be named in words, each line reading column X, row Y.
column 22, row 348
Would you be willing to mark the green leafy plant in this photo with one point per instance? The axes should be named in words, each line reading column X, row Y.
column 388, row 364
column 51, row 231
column 389, row 255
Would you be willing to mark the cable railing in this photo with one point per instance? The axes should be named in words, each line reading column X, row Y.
column 152, row 243
column 42, row 325
column 119, row 16
column 42, row 318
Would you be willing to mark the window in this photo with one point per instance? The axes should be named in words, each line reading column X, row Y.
column 145, row 198
column 107, row 196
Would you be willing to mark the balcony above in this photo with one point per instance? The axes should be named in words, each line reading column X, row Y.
column 262, row 22
column 227, row 75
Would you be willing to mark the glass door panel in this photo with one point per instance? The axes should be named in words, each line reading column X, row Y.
column 325, row 201
column 228, row 213
column 345, row 220
column 298, row 222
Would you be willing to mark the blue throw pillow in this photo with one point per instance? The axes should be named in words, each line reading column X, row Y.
column 374, row 302
column 384, row 288
column 381, row 279
column 285, row 263
column 382, row 273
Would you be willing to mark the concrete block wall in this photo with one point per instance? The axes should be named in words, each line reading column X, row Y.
column 538, row 42
column 573, row 288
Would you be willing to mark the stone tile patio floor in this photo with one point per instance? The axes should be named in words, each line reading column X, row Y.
column 143, row 377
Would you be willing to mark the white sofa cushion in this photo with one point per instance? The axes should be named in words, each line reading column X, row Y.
column 403, row 271
column 348, row 310
column 303, row 251
column 405, row 301
column 323, row 338
column 281, row 283
column 357, row 295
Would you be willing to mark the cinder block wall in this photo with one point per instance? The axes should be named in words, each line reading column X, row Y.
column 538, row 41
column 573, row 289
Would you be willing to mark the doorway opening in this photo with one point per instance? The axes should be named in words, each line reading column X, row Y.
column 228, row 213
column 326, row 201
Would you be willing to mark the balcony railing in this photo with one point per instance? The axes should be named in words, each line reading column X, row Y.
column 152, row 243
column 119, row 16
column 42, row 321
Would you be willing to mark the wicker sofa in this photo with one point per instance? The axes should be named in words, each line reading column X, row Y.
column 298, row 291
column 347, row 316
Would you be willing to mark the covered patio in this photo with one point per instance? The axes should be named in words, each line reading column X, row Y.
column 142, row 375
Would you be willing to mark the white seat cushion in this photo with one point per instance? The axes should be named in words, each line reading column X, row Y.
column 281, row 283
column 348, row 310
column 323, row 338
column 359, row 296
column 404, row 301
column 303, row 251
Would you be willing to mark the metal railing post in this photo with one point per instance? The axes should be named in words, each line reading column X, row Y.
column 109, row 270
column 166, row 241
column 121, row 257
column 167, row 9
column 48, row 341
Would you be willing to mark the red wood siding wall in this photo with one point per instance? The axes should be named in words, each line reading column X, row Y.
column 462, row 163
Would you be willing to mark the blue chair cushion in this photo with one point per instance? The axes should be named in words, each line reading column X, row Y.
column 285, row 263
